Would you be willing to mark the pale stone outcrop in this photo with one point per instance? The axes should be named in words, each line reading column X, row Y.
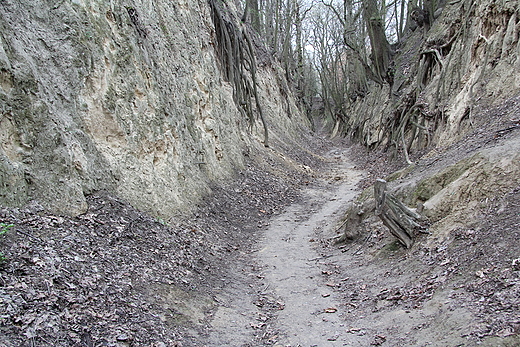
column 124, row 96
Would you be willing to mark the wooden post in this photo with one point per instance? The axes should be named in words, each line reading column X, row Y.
column 402, row 221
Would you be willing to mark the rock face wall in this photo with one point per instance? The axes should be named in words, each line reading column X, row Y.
column 444, row 74
column 124, row 96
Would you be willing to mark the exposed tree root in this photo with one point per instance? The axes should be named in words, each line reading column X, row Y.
column 238, row 63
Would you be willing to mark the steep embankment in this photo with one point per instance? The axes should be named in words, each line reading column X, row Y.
column 443, row 75
column 123, row 96
column 114, row 113
column 452, row 115
column 131, row 99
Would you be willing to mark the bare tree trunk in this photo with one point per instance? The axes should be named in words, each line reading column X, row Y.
column 381, row 53
column 402, row 221
column 276, row 24
column 254, row 13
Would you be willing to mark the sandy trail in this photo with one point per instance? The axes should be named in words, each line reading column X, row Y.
column 312, row 315
column 288, row 261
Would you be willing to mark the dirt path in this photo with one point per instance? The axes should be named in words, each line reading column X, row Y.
column 312, row 315
column 291, row 270
column 297, row 289
column 233, row 276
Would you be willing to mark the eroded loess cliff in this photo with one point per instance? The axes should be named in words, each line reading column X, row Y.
column 452, row 118
column 443, row 75
column 123, row 96
column 451, row 114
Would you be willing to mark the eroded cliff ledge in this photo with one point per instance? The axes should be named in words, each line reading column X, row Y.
column 443, row 75
column 124, row 96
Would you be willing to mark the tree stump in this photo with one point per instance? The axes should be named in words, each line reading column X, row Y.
column 401, row 220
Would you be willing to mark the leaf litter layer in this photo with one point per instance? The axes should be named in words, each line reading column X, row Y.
column 116, row 276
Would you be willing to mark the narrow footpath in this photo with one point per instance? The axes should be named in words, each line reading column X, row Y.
column 312, row 315
column 294, row 288
column 291, row 270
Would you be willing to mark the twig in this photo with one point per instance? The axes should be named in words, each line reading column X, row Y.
column 418, row 125
column 341, row 226
column 335, row 237
column 265, row 288
column 405, row 149
column 364, row 242
column 29, row 235
column 503, row 131
column 437, row 55
column 483, row 37
column 321, row 257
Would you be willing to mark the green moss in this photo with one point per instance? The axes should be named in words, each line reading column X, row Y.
column 124, row 57
column 432, row 185
column 390, row 249
column 365, row 195
column 393, row 246
column 163, row 28
column 109, row 102
column 399, row 174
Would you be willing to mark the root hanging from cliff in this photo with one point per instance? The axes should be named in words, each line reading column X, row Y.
column 237, row 61
column 410, row 124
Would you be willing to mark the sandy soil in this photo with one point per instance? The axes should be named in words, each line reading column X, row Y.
column 459, row 290
column 292, row 264
column 257, row 265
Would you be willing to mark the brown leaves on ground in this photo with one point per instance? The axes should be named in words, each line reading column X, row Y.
column 95, row 279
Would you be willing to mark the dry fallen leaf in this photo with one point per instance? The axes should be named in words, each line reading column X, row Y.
column 506, row 332
column 333, row 338
column 378, row 340
column 516, row 264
